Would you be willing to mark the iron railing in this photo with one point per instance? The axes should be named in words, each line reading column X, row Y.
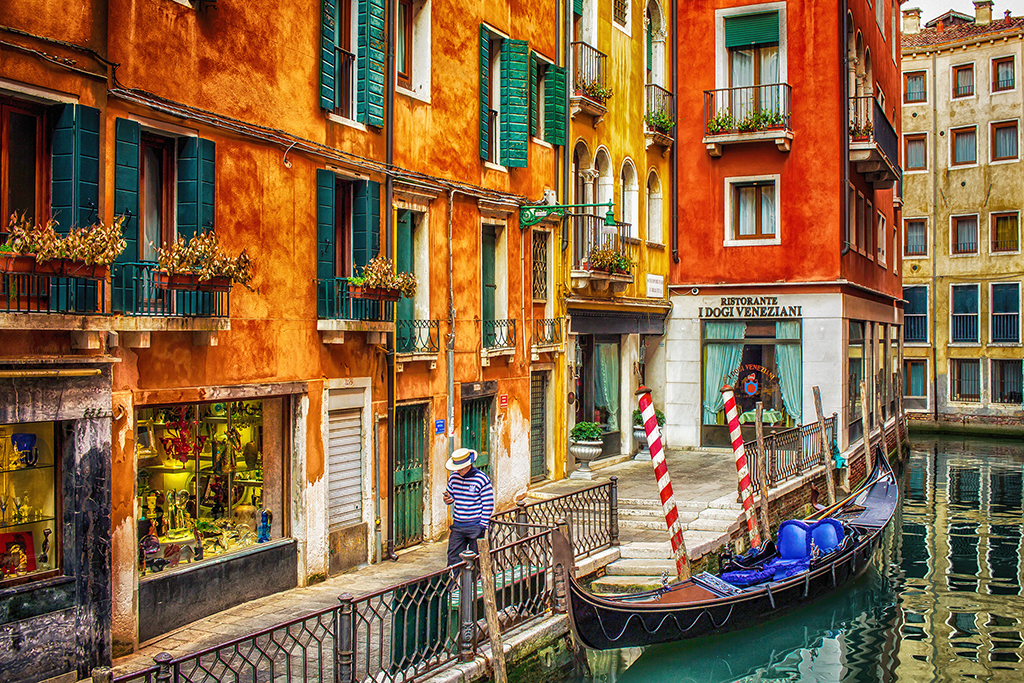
column 345, row 68
column 915, row 327
column 49, row 294
column 659, row 106
column 135, row 293
column 334, row 301
column 1005, row 328
column 590, row 233
column 417, row 336
column 1005, row 245
column 747, row 109
column 965, row 327
column 789, row 453
column 590, row 70
column 498, row 334
column 547, row 331
column 868, row 121
column 966, row 379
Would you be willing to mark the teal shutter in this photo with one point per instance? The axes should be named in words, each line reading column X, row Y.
column 489, row 284
column 75, row 170
column 752, row 29
column 554, row 105
column 326, row 303
column 207, row 184
column 577, row 7
column 370, row 62
column 485, row 91
column 365, row 223
column 405, row 337
column 328, row 56
column 650, row 46
column 515, row 102
column 196, row 183
column 127, row 135
column 534, row 112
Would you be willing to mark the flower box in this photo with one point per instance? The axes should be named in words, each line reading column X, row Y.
column 26, row 264
column 374, row 293
column 190, row 282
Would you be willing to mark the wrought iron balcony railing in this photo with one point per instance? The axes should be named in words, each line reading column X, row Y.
column 1005, row 328
column 747, row 109
column 343, row 79
column 334, row 301
column 868, row 123
column 965, row 328
column 417, row 336
column 659, row 108
column 498, row 334
column 49, row 294
column 915, row 327
column 590, row 71
column 1005, row 245
column 135, row 293
column 547, row 331
column 590, row 233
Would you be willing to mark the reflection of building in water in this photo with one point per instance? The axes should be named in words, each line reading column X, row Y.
column 962, row 566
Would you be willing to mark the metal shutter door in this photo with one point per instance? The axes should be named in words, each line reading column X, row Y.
column 345, row 469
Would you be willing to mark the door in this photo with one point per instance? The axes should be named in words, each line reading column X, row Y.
column 405, row 334
column 410, row 421
column 476, row 430
column 488, row 244
column 538, row 425
column 344, row 486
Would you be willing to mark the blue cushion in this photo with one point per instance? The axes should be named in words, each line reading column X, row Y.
column 748, row 577
column 793, row 540
column 827, row 535
column 783, row 569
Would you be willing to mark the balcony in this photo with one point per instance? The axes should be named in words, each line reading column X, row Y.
column 340, row 312
column 874, row 146
column 1005, row 328
column 417, row 340
column 965, row 328
column 547, row 336
column 735, row 116
column 497, row 338
column 659, row 121
column 590, row 82
column 45, row 294
column 591, row 233
column 915, row 328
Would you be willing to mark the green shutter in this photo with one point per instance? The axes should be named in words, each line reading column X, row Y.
column 75, row 171
column 650, row 46
column 325, row 211
column 328, row 56
column 126, row 184
column 370, row 63
column 404, row 263
column 515, row 102
column 488, row 246
column 485, row 91
column 554, row 105
column 534, row 113
column 577, row 7
column 196, row 182
column 207, row 184
column 365, row 223
column 752, row 29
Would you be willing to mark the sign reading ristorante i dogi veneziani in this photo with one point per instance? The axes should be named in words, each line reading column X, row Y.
column 750, row 307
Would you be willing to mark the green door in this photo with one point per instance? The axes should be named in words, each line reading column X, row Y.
column 405, row 334
column 538, row 425
column 410, row 421
column 476, row 430
column 488, row 244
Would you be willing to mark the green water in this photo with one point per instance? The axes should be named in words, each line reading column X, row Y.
column 941, row 602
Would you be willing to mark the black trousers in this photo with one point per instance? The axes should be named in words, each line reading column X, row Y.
column 462, row 538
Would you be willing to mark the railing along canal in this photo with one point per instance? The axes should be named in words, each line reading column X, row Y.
column 790, row 453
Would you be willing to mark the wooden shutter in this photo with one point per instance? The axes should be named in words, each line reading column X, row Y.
column 485, row 92
column 128, row 135
column 370, row 63
column 488, row 246
column 365, row 223
column 75, row 170
column 328, row 56
column 752, row 29
column 534, row 112
column 515, row 102
column 325, row 259
column 577, row 7
column 195, row 188
column 554, row 105
column 404, row 259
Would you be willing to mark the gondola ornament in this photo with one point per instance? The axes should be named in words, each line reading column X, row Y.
column 742, row 470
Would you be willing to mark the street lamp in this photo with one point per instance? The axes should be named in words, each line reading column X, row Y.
column 535, row 213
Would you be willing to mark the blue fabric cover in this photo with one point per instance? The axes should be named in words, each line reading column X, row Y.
column 794, row 547
column 827, row 535
column 748, row 577
column 794, row 540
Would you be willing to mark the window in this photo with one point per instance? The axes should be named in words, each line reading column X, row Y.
column 915, row 238
column 547, row 103
column 753, row 209
column 915, row 87
column 965, row 379
column 855, row 373
column 964, row 239
column 504, row 90
column 620, row 12
column 497, row 330
column 412, row 47
column 22, row 155
column 156, row 184
column 654, row 213
column 540, row 265
column 880, row 244
column 403, row 42
column 538, row 102
column 1002, row 74
column 629, row 199
column 30, row 533
column 965, row 314
column 963, row 141
column 916, row 152
column 880, row 15
column 851, row 217
column 1006, row 313
column 752, row 41
column 861, row 240
column 915, row 315
column 963, row 80
column 869, row 229
column 1004, row 141
column 1005, row 232
column 1007, row 381
column 914, row 378
column 352, row 61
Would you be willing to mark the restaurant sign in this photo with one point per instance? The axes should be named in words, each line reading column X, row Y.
column 750, row 307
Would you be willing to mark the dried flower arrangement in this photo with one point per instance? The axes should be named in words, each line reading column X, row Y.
column 96, row 245
column 203, row 257
column 606, row 258
column 379, row 273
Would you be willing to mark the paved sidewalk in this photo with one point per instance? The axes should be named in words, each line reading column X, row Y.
column 698, row 478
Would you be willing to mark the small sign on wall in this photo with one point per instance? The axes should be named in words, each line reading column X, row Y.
column 655, row 286
column 439, row 426
column 503, row 401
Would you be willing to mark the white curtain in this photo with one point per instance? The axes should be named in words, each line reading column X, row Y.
column 747, row 210
column 965, row 81
column 768, row 209
column 771, row 95
column 965, row 147
column 790, row 370
column 915, row 154
column 742, row 77
column 1006, row 142
column 719, row 361
column 606, row 382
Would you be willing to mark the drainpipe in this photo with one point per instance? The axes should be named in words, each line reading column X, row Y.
column 389, row 227
column 935, row 233
column 566, row 150
column 844, row 62
column 450, row 342
column 674, row 185
column 378, row 548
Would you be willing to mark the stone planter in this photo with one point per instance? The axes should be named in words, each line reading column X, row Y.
column 584, row 452
column 643, row 451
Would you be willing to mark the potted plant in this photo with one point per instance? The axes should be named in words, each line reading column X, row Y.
column 37, row 249
column 861, row 131
column 596, row 91
column 199, row 264
column 722, row 122
column 660, row 120
column 379, row 281
column 587, row 439
column 640, row 434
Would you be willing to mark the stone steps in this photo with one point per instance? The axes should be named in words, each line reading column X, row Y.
column 618, row 585
column 641, row 568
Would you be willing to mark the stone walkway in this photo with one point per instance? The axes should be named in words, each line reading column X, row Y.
column 701, row 480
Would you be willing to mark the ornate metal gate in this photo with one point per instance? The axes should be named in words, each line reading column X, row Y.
column 410, row 421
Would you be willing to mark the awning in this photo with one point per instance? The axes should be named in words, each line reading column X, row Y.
column 614, row 322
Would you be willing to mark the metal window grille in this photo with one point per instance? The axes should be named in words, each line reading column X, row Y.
column 540, row 265
column 620, row 11
column 1007, row 381
column 966, row 379
column 410, row 457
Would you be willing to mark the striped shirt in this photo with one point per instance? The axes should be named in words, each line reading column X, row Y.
column 474, row 498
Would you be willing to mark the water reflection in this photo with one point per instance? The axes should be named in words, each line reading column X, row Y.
column 942, row 601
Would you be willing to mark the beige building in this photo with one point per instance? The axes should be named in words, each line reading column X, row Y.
column 963, row 191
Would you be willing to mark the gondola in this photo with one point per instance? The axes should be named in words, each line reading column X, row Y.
column 809, row 559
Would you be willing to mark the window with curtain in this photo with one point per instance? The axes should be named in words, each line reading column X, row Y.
column 789, row 368
column 965, row 314
column 965, row 379
column 1004, row 141
column 1006, row 313
column 752, row 41
column 753, row 210
column 1007, row 381
column 964, row 146
column 1002, row 74
column 403, row 42
column 606, row 385
column 880, row 242
column 719, row 360
column 913, row 378
column 1004, row 232
column 916, row 152
column 965, row 235
column 855, row 373
column 963, row 80
column 915, row 239
column 914, row 87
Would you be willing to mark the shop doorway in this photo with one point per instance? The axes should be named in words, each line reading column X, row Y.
column 476, row 430
column 411, row 423
column 598, row 374
column 344, row 487
column 538, row 426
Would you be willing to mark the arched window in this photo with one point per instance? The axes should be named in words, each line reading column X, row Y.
column 605, row 181
column 629, row 198
column 655, row 35
column 654, row 216
column 582, row 174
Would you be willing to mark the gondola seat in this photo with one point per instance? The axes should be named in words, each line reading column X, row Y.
column 797, row 542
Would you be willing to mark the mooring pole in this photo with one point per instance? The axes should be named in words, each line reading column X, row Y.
column 761, row 463
column 742, row 471
column 865, row 422
column 826, row 451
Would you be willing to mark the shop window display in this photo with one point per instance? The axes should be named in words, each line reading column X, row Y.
column 29, row 544
column 201, row 482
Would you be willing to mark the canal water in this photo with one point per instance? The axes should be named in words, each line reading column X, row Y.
column 941, row 602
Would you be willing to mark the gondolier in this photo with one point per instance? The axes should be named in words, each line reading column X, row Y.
column 471, row 496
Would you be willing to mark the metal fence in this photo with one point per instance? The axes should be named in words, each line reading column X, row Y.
column 136, row 293
column 589, row 69
column 417, row 336
column 868, row 121
column 32, row 293
column 334, row 301
column 659, row 103
column 747, row 109
column 591, row 233
column 547, row 331
column 789, row 453
column 498, row 334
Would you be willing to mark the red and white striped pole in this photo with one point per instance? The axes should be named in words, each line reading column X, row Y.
column 668, row 503
column 742, row 471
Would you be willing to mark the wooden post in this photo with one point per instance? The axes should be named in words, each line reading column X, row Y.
column 901, row 426
column 762, row 477
column 491, row 610
column 865, row 422
column 881, row 421
column 825, row 448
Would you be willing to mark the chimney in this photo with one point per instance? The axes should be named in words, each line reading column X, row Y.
column 982, row 12
column 912, row 20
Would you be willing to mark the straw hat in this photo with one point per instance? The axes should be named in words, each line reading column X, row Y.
column 460, row 458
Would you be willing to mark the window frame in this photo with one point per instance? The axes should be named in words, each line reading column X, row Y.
column 993, row 217
column 996, row 61
column 906, row 91
column 911, row 360
column 992, row 382
column 955, row 378
column 622, row 22
column 880, row 240
column 906, row 238
column 41, row 209
column 723, row 60
column 732, row 239
column 168, row 150
column 403, row 71
column 343, row 205
column 954, row 224
column 925, row 315
column 976, row 314
column 907, row 139
column 954, row 71
column 954, row 134
column 993, row 127
column 992, row 313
